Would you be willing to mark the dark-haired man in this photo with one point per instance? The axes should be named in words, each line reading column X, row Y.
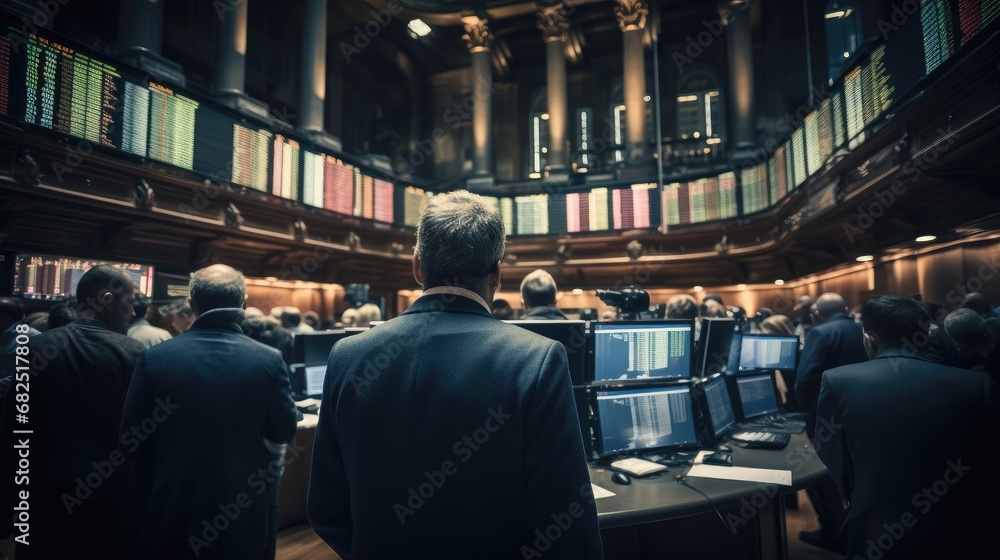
column 445, row 433
column 538, row 295
column 140, row 329
column 80, row 490
column 902, row 442
column 204, row 416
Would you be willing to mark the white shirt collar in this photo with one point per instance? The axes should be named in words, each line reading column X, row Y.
column 455, row 291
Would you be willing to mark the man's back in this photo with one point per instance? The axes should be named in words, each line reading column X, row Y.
column 895, row 427
column 837, row 342
column 456, row 435
column 80, row 374
column 214, row 394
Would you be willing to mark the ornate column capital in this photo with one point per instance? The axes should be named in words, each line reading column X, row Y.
column 729, row 8
column 631, row 14
column 477, row 35
column 553, row 20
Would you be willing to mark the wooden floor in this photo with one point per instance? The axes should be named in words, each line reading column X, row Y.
column 301, row 543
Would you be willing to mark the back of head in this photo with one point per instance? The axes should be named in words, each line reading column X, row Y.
column 216, row 287
column 291, row 317
column 778, row 324
column 141, row 305
column 714, row 297
column 967, row 329
column 350, row 317
column 501, row 309
column 367, row 313
column 829, row 304
column 311, row 318
column 895, row 320
column 105, row 292
column 538, row 289
column 977, row 302
column 713, row 309
column 682, row 306
column 60, row 315
column 460, row 239
column 39, row 320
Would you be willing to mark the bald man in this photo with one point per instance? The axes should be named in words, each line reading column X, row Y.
column 538, row 295
column 203, row 423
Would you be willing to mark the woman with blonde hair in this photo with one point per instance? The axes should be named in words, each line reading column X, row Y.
column 367, row 313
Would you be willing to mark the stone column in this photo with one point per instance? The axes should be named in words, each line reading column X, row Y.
column 739, row 42
column 631, row 16
column 140, row 36
column 231, row 50
column 312, row 91
column 479, row 40
column 553, row 22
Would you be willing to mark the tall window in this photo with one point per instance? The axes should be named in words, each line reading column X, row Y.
column 843, row 34
column 538, row 134
column 699, row 115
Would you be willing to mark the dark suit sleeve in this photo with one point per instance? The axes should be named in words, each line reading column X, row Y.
column 138, row 406
column 279, row 426
column 557, row 477
column 328, row 502
column 833, row 449
column 810, row 374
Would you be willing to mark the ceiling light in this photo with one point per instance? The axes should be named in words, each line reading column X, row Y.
column 698, row 288
column 926, row 238
column 577, row 291
column 865, row 258
column 418, row 28
column 779, row 282
column 836, row 15
column 714, row 141
column 684, row 98
column 741, row 287
column 847, row 54
column 545, row 116
column 646, row 98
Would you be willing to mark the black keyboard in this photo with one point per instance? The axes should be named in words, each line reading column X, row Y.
column 777, row 424
column 761, row 440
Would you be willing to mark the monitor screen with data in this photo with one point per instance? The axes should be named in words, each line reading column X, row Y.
column 636, row 419
column 758, row 395
column 760, row 351
column 630, row 350
column 315, row 375
column 721, row 415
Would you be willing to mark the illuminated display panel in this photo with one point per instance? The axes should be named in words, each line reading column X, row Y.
column 876, row 88
column 414, row 201
column 824, row 136
column 799, row 157
column 939, row 40
column 557, row 213
column 383, row 200
column 838, row 119
column 598, row 209
column 755, row 195
column 630, row 207
column 171, row 127
column 811, row 128
column 727, row 196
column 364, row 194
column 854, row 103
column 975, row 15
column 285, row 168
column 532, row 214
column 250, row 151
column 777, row 175
column 47, row 277
column 507, row 213
column 313, row 179
column 338, row 186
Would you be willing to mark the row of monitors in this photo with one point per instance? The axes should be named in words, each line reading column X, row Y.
column 626, row 352
column 678, row 415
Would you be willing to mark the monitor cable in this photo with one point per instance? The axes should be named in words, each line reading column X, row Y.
column 683, row 482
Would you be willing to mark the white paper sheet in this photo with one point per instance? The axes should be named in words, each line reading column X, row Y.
column 600, row 492
column 747, row 474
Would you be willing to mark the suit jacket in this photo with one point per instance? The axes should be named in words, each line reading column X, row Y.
column 548, row 312
column 198, row 411
column 81, row 489
column 446, row 433
column 899, row 436
column 837, row 342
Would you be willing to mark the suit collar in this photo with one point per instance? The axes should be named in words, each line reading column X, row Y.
column 900, row 353
column 449, row 303
column 837, row 317
column 227, row 318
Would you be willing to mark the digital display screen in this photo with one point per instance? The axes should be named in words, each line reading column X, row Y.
column 755, row 194
column 532, row 214
column 647, row 418
column 642, row 350
column 720, row 407
column 768, row 352
column 53, row 278
column 757, row 396
column 315, row 375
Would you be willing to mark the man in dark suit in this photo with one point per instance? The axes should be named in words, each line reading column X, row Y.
column 445, row 433
column 538, row 296
column 895, row 438
column 204, row 415
column 835, row 342
column 79, row 486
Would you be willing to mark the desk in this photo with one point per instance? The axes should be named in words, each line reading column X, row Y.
column 295, row 480
column 653, row 516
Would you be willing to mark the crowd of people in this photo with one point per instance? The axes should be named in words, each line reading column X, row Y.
column 152, row 444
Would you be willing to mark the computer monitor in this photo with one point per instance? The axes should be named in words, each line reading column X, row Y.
column 717, row 407
column 715, row 345
column 631, row 419
column 758, row 395
column 53, row 278
column 306, row 380
column 769, row 352
column 572, row 335
column 314, row 348
column 642, row 350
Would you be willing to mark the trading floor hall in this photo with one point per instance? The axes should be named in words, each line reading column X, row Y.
column 710, row 205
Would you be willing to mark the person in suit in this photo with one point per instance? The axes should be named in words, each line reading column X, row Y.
column 80, row 486
column 445, row 433
column 538, row 296
column 834, row 341
column 899, row 436
column 204, row 417
column 140, row 329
